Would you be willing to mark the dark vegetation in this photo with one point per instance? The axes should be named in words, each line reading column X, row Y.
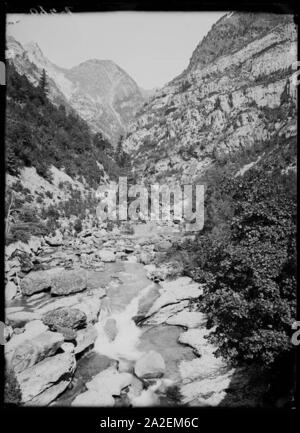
column 39, row 134
column 246, row 258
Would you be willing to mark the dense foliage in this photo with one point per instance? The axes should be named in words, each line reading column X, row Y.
column 246, row 256
column 39, row 134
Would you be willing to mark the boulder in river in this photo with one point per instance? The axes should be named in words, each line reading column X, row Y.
column 51, row 393
column 36, row 327
column 32, row 351
column 35, row 380
column 67, row 282
column 176, row 290
column 106, row 255
column 56, row 240
column 110, row 382
column 18, row 339
column 67, row 317
column 38, row 281
column 150, row 366
column 187, row 319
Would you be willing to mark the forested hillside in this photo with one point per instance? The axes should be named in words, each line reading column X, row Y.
column 39, row 134
column 54, row 163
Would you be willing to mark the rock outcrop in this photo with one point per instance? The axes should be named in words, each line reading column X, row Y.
column 226, row 101
column 41, row 383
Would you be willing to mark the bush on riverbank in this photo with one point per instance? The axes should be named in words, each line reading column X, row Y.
column 246, row 255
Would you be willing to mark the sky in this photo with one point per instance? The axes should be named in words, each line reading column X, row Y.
column 152, row 47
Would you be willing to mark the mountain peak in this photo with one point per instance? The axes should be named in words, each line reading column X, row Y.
column 13, row 47
column 231, row 32
column 94, row 63
column 33, row 46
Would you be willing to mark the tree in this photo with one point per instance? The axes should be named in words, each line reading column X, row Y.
column 102, row 144
column 120, row 155
column 43, row 84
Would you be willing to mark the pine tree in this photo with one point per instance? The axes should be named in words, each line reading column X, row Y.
column 119, row 154
column 43, row 84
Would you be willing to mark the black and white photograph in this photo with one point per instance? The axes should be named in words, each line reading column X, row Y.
column 150, row 210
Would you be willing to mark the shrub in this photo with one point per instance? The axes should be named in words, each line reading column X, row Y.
column 49, row 194
column 78, row 225
column 67, row 141
column 247, row 259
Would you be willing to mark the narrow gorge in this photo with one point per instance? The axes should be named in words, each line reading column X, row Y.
column 144, row 312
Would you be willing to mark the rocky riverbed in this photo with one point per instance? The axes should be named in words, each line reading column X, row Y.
column 95, row 321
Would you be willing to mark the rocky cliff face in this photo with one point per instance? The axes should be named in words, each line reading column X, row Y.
column 229, row 99
column 105, row 96
column 98, row 90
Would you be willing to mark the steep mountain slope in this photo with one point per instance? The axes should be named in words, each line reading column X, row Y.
column 236, row 94
column 98, row 90
column 104, row 95
column 39, row 134
column 24, row 64
column 53, row 163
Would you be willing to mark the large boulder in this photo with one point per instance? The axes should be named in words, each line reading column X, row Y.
column 32, row 351
column 187, row 319
column 163, row 315
column 89, row 302
column 175, row 291
column 56, row 240
column 110, row 382
column 145, row 302
column 106, row 255
column 50, row 394
column 67, row 282
column 35, row 327
column 151, row 365
column 19, row 339
column 38, row 281
column 66, row 317
column 39, row 378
